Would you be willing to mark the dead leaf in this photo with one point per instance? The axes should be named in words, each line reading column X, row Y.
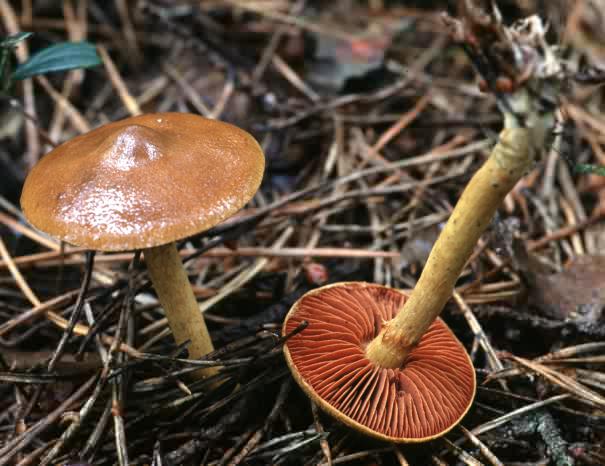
column 576, row 293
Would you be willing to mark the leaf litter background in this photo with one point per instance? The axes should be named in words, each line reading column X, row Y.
column 372, row 123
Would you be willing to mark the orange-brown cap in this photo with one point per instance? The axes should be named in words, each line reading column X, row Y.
column 143, row 181
column 418, row 402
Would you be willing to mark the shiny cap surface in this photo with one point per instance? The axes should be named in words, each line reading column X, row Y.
column 143, row 181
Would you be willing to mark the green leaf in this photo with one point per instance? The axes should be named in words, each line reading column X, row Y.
column 12, row 41
column 589, row 168
column 59, row 57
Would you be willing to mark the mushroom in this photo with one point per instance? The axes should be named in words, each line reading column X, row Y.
column 382, row 362
column 418, row 401
column 144, row 183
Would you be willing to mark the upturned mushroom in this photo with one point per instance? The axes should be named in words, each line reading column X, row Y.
column 382, row 362
column 421, row 400
column 144, row 183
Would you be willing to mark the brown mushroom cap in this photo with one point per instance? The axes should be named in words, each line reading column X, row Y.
column 418, row 402
column 143, row 181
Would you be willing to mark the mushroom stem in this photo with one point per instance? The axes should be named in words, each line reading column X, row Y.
column 509, row 160
column 529, row 107
column 176, row 296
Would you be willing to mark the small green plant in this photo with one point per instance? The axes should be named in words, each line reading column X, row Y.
column 590, row 168
column 58, row 57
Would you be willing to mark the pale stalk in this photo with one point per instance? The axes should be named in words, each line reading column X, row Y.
column 510, row 159
column 176, row 297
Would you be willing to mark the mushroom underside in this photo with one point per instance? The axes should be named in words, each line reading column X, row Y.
column 423, row 399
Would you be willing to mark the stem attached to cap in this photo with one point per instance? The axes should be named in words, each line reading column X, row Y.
column 176, row 296
column 510, row 159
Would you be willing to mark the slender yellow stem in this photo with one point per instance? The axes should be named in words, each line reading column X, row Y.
column 176, row 296
column 509, row 160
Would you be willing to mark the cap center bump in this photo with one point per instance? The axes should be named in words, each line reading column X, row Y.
column 134, row 146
